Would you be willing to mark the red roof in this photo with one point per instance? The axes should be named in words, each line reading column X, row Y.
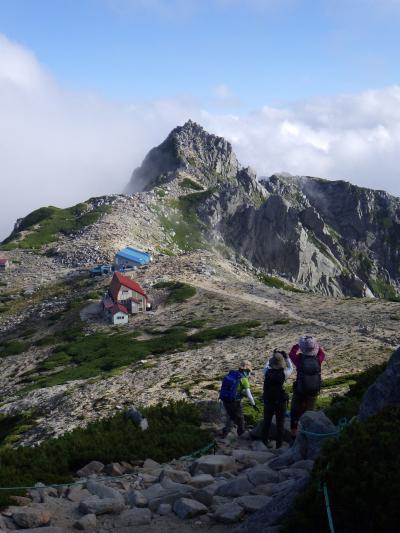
column 119, row 281
column 3, row 261
column 119, row 308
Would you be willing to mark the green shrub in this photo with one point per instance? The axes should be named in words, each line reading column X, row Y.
column 361, row 469
column 241, row 329
column 272, row 281
column 45, row 225
column 178, row 291
column 187, row 183
column 348, row 404
column 174, row 430
column 13, row 347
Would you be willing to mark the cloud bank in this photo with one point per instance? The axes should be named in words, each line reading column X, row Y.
column 59, row 147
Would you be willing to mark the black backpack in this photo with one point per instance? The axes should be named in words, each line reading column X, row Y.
column 308, row 380
column 273, row 386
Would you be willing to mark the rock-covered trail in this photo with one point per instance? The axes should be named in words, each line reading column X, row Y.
column 215, row 492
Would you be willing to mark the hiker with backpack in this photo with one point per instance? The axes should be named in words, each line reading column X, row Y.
column 307, row 356
column 276, row 371
column 236, row 386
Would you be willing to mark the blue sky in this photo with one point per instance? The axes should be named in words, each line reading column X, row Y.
column 87, row 87
column 262, row 51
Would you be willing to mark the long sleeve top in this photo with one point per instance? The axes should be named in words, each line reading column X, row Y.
column 287, row 371
column 294, row 355
column 244, row 389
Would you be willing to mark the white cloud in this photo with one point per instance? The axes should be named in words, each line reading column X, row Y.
column 59, row 147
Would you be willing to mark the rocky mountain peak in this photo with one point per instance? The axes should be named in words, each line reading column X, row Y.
column 187, row 148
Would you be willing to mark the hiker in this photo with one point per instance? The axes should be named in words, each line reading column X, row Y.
column 307, row 356
column 276, row 371
column 235, row 386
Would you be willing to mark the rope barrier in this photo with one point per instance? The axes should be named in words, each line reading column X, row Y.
column 193, row 455
column 343, row 422
column 328, row 507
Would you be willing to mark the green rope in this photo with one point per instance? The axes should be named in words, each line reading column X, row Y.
column 341, row 425
column 192, row 455
column 328, row 507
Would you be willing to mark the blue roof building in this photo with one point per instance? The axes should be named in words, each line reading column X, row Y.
column 131, row 257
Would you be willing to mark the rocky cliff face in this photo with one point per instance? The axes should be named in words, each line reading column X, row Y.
column 187, row 149
column 329, row 236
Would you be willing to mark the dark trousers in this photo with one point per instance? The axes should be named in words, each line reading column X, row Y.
column 300, row 404
column 279, row 410
column 235, row 416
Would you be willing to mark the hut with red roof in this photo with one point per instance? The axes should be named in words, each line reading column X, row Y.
column 127, row 294
column 3, row 264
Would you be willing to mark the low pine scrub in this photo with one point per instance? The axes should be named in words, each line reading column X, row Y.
column 45, row 225
column 361, row 469
column 174, row 430
column 178, row 292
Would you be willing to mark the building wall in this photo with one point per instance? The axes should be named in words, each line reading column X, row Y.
column 125, row 294
column 120, row 318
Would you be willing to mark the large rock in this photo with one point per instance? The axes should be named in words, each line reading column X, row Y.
column 273, row 513
column 76, row 493
column 237, row 487
column 385, row 391
column 179, row 476
column 252, row 503
column 213, row 464
column 135, row 517
column 102, row 491
column 252, row 456
column 97, row 506
column 229, row 513
column 187, row 508
column 86, row 523
column 260, row 475
column 94, row 467
column 136, row 498
column 314, row 428
column 46, row 529
column 201, row 480
column 30, row 517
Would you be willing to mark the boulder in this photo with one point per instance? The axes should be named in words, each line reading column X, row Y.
column 137, row 418
column 94, row 467
column 385, row 391
column 251, row 456
column 31, row 517
column 135, row 517
column 102, row 491
column 260, row 475
column 86, row 523
column 95, row 505
column 305, row 464
column 187, row 508
column 307, row 445
column 229, row 513
column 136, row 498
column 294, row 473
column 270, row 489
column 203, row 497
column 149, row 465
column 213, row 464
column 164, row 509
column 252, row 503
column 114, row 469
column 272, row 513
column 76, row 493
column 201, row 480
column 179, row 476
column 237, row 487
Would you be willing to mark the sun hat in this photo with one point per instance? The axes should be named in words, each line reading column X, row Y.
column 246, row 365
column 308, row 345
column 277, row 361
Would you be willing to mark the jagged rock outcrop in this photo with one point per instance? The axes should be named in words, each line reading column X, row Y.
column 385, row 391
column 327, row 236
column 187, row 148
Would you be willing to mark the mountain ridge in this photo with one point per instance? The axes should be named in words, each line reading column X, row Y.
column 321, row 235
